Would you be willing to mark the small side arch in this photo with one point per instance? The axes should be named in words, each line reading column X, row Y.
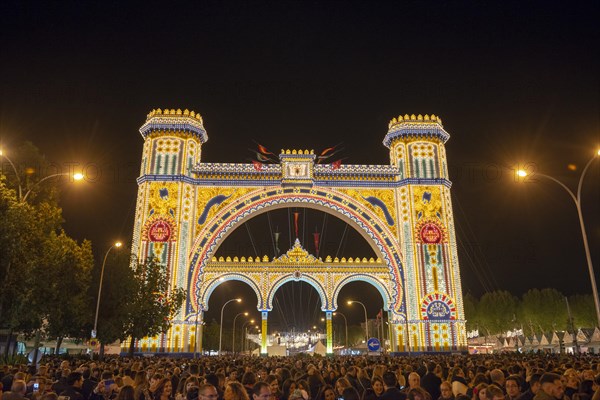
column 373, row 280
column 295, row 277
column 212, row 285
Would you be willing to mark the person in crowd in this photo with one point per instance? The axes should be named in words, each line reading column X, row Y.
column 328, row 393
column 289, row 385
column 512, row 385
column 479, row 391
column 497, row 378
column 377, row 385
column 418, row 393
column 235, row 391
column 163, row 390
column 390, row 383
column 431, row 382
column 350, row 393
column 458, row 382
column 74, row 384
column 446, row 391
column 17, row 390
column 340, row 385
column 273, row 383
column 494, row 392
column 534, row 386
column 127, row 392
column 550, row 385
column 208, row 391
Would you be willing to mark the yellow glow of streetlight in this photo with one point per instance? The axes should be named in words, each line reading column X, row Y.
column 118, row 244
column 349, row 302
column 245, row 314
column 251, row 321
column 521, row 173
column 597, row 153
column 1, row 152
column 238, row 300
column 78, row 176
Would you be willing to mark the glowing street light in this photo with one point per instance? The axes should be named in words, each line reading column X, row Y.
column 366, row 320
column 233, row 341
column 117, row 245
column 577, row 200
column 221, row 323
column 22, row 198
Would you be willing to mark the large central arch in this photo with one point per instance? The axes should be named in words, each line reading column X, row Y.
column 186, row 208
column 256, row 202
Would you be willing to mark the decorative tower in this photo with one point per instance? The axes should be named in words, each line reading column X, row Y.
column 166, row 204
column 433, row 293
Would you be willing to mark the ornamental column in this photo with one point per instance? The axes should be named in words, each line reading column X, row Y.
column 263, row 334
column 329, row 326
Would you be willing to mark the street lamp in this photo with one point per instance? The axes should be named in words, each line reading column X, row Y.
column 221, row 323
column 22, row 198
column 366, row 320
column 233, row 341
column 577, row 201
column 245, row 330
column 117, row 245
column 345, row 324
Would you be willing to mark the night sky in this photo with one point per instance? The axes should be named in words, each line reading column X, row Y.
column 515, row 83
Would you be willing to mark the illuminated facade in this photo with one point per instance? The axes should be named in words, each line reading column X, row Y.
column 186, row 208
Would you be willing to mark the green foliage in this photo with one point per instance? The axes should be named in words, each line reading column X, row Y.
column 537, row 311
column 118, row 283
column 583, row 310
column 151, row 303
column 210, row 336
column 497, row 311
column 356, row 335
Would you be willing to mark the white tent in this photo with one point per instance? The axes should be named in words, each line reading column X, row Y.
column 319, row 348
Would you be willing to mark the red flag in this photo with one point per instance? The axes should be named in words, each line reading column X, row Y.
column 336, row 164
column 316, row 237
column 257, row 166
column 296, row 223
column 264, row 150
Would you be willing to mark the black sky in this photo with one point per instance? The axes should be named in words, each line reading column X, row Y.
column 514, row 81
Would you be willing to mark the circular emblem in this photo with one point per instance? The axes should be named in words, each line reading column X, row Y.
column 160, row 231
column 430, row 233
column 438, row 310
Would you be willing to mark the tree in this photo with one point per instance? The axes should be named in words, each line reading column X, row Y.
column 118, row 282
column 151, row 305
column 543, row 310
column 210, row 336
column 471, row 304
column 63, row 280
column 497, row 311
column 583, row 310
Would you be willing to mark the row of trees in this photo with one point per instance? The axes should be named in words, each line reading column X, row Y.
column 537, row 310
column 49, row 281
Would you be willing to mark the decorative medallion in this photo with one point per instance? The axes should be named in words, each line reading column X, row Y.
column 438, row 307
column 159, row 230
column 430, row 232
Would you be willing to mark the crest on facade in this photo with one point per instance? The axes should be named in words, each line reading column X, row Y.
column 438, row 307
column 159, row 230
column 297, row 255
column 429, row 231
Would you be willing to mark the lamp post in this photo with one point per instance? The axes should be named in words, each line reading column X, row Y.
column 117, row 245
column 577, row 200
column 245, row 330
column 366, row 320
column 221, row 323
column 345, row 324
column 233, row 341
column 22, row 198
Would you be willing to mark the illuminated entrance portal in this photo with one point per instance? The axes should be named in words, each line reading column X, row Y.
column 186, row 209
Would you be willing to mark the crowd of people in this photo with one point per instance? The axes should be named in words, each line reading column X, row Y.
column 435, row 377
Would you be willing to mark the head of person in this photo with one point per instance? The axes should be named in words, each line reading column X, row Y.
column 480, row 391
column 446, row 390
column 18, row 386
column 549, row 382
column 417, row 394
column 497, row 377
column 289, row 385
column 235, row 391
column 248, row 379
column 164, row 388
column 389, row 380
column 493, row 392
column 377, row 385
column 340, row 385
column 191, row 383
column 534, row 382
column 273, row 383
column 126, row 393
column 328, row 393
column 261, row 391
column 75, row 379
column 207, row 391
column 350, row 393
column 512, row 384
column 414, row 380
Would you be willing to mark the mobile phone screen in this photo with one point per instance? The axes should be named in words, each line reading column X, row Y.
column 36, row 387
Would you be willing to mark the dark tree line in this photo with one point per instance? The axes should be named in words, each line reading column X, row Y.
column 536, row 311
